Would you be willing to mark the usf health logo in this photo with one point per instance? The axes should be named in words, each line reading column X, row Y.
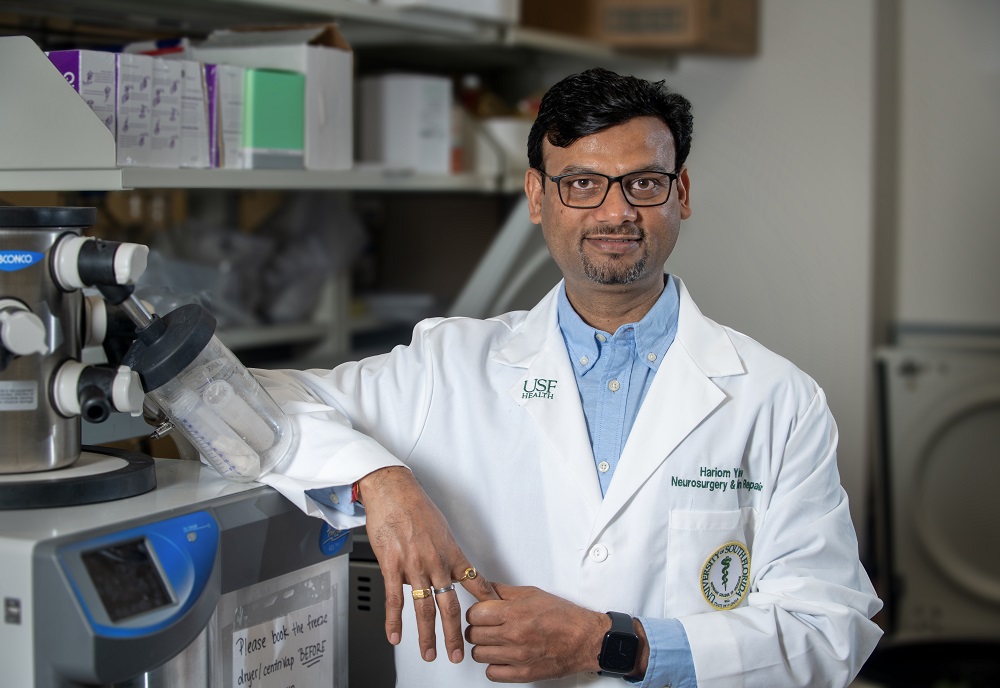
column 725, row 576
column 539, row 389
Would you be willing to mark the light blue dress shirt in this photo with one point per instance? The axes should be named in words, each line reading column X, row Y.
column 614, row 373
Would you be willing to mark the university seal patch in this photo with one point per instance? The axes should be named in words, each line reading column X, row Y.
column 725, row 576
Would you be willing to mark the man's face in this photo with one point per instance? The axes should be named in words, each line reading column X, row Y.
column 616, row 247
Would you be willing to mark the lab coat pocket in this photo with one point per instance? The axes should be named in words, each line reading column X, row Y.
column 708, row 560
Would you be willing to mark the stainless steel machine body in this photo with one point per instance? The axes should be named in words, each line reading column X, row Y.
column 37, row 436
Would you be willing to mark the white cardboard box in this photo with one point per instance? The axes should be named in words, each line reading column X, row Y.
column 319, row 52
column 168, row 89
column 229, row 111
column 134, row 109
column 194, row 116
column 406, row 122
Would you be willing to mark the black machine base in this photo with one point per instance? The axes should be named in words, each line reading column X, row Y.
column 66, row 487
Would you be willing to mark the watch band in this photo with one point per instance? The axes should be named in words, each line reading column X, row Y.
column 620, row 649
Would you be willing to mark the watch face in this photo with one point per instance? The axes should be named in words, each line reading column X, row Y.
column 619, row 652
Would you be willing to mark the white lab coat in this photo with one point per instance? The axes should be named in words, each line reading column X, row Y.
column 516, row 479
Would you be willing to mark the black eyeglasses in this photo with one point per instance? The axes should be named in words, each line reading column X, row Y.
column 588, row 190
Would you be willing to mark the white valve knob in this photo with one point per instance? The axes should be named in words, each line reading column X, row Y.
column 65, row 262
column 130, row 262
column 95, row 320
column 21, row 332
column 77, row 262
column 126, row 392
column 64, row 388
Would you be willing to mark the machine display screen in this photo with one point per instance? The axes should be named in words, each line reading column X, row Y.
column 127, row 579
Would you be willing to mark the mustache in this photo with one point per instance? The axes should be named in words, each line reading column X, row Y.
column 628, row 229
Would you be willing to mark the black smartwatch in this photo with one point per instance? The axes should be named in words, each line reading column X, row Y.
column 620, row 649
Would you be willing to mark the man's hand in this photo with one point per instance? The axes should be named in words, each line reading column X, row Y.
column 414, row 546
column 531, row 635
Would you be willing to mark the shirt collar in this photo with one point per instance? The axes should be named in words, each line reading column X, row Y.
column 653, row 334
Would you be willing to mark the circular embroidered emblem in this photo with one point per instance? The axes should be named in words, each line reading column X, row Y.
column 725, row 576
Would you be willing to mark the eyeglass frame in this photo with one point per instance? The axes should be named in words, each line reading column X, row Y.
column 672, row 176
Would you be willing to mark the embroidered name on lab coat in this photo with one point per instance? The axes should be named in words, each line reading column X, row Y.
column 721, row 479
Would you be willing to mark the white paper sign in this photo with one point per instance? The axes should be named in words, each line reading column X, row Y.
column 295, row 650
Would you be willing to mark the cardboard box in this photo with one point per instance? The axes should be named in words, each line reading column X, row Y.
column 273, row 119
column 168, row 88
column 195, row 150
column 505, row 11
column 319, row 52
column 134, row 109
column 711, row 26
column 229, row 112
column 406, row 122
column 212, row 102
column 91, row 74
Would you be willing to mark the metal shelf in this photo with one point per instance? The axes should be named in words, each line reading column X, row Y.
column 53, row 142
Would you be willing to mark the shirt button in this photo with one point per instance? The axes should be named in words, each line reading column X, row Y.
column 599, row 553
column 614, row 385
column 650, row 357
column 601, row 337
column 604, row 466
column 584, row 360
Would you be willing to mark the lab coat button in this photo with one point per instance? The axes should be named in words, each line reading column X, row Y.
column 614, row 385
column 604, row 466
column 599, row 553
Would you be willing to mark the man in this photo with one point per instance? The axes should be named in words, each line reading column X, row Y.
column 655, row 496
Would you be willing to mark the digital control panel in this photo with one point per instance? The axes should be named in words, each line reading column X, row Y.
column 135, row 581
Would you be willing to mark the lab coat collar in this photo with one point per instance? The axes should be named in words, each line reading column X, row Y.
column 682, row 395
column 548, row 392
column 705, row 341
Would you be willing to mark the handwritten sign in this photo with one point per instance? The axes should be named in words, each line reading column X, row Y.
column 295, row 650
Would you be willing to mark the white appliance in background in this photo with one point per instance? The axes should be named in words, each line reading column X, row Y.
column 939, row 499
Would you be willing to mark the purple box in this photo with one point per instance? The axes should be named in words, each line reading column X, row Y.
column 91, row 73
column 212, row 96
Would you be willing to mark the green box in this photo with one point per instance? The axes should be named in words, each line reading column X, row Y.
column 274, row 118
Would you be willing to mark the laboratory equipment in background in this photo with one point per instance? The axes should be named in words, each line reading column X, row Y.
column 124, row 570
column 937, row 512
column 200, row 582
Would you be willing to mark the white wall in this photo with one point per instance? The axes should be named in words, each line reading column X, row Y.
column 949, row 202
column 780, row 243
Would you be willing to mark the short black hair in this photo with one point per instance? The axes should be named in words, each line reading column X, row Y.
column 597, row 99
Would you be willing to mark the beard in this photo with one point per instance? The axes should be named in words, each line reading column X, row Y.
column 617, row 270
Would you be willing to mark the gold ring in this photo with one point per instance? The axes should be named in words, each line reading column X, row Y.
column 421, row 593
column 470, row 574
column 447, row 588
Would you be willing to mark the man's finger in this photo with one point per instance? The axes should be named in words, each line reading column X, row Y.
column 393, row 609
column 425, row 611
column 477, row 585
column 451, row 621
